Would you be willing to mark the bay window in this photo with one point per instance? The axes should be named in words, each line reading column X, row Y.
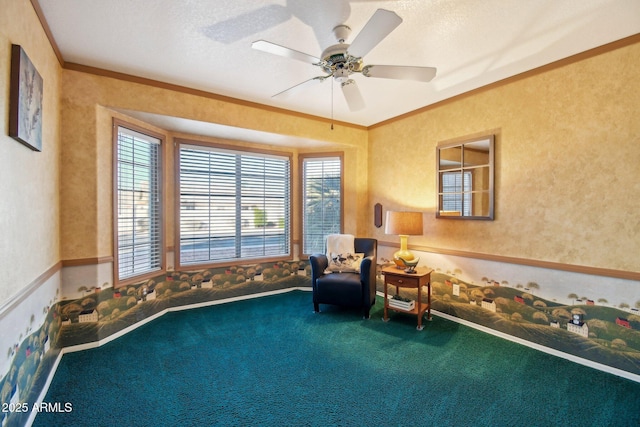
column 233, row 204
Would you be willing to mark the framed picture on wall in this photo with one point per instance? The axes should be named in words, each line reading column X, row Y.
column 25, row 106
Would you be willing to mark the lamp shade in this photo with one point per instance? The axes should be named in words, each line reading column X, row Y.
column 404, row 223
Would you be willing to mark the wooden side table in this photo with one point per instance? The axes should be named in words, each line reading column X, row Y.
column 398, row 278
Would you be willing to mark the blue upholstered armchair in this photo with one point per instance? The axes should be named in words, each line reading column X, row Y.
column 349, row 289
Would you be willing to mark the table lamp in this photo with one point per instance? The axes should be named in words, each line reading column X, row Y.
column 404, row 224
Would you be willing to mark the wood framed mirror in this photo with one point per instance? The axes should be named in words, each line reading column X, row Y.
column 465, row 178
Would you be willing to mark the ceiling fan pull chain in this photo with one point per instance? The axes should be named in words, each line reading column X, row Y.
column 331, row 104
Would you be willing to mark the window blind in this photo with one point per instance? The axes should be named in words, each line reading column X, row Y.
column 233, row 205
column 139, row 236
column 322, row 201
column 456, row 192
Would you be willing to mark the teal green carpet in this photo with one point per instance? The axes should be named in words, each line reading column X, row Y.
column 272, row 362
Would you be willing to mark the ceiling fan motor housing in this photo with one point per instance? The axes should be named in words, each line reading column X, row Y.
column 339, row 63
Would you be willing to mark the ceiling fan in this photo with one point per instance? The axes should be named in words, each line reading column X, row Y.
column 342, row 60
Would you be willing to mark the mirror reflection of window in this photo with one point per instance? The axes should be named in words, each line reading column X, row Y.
column 456, row 193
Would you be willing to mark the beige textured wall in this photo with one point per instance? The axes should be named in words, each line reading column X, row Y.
column 87, row 104
column 567, row 165
column 29, row 182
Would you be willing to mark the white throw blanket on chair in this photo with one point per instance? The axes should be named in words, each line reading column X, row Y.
column 340, row 244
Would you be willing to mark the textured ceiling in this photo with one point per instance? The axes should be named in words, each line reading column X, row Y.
column 206, row 44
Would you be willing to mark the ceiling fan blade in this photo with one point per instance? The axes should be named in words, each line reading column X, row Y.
column 400, row 72
column 352, row 95
column 275, row 49
column 297, row 87
column 379, row 26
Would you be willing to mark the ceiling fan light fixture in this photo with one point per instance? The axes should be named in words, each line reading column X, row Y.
column 341, row 75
